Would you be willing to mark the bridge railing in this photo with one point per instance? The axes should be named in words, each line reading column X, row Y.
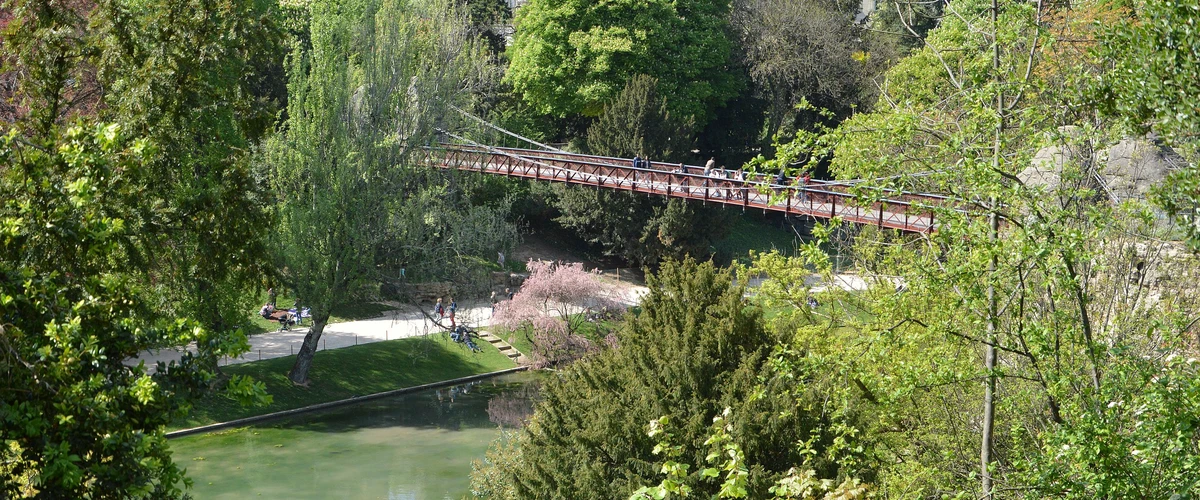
column 903, row 211
column 762, row 178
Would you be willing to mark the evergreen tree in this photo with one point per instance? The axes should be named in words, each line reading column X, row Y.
column 697, row 347
column 642, row 230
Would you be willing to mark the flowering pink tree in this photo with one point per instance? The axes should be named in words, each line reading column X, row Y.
column 553, row 303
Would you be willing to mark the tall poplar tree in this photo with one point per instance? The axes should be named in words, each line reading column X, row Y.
column 371, row 93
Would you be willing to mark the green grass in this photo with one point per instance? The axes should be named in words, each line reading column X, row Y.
column 351, row 312
column 348, row 372
column 519, row 339
column 751, row 233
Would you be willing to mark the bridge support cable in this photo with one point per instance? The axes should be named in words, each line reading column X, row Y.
column 490, row 125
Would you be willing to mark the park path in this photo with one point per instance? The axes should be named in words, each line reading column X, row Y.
column 403, row 322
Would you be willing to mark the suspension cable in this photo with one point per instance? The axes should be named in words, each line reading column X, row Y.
column 503, row 131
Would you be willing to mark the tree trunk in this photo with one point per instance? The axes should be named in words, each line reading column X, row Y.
column 299, row 373
column 989, row 362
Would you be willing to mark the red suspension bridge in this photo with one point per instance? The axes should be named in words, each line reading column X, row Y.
column 910, row 212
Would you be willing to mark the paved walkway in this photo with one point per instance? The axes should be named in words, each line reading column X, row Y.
column 406, row 321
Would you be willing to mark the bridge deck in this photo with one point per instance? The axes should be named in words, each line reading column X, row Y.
column 904, row 211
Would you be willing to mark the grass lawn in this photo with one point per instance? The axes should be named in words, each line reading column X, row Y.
column 519, row 339
column 351, row 371
column 751, row 232
column 352, row 312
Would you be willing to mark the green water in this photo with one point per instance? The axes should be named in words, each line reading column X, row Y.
column 416, row 446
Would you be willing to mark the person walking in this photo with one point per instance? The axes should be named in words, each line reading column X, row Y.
column 453, row 309
column 509, row 293
column 637, row 161
column 439, row 310
column 711, row 164
column 494, row 301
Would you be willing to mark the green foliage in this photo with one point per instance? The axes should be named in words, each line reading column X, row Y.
column 1155, row 82
column 1058, row 290
column 696, row 348
column 130, row 222
column 1154, row 86
column 76, row 421
column 1145, row 443
column 638, row 123
column 810, row 49
column 639, row 229
column 488, row 18
column 571, row 57
column 377, row 84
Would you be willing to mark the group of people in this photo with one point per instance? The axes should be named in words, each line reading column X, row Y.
column 286, row 318
column 442, row 311
column 711, row 169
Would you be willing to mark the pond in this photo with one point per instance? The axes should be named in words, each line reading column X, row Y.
column 414, row 446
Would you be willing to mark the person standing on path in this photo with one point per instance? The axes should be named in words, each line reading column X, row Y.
column 494, row 300
column 439, row 310
column 509, row 293
column 453, row 309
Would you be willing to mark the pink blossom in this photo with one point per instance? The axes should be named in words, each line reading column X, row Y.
column 553, row 302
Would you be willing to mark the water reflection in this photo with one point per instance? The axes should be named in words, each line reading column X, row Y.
column 415, row 446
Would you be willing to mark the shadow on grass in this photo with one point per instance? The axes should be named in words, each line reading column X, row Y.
column 349, row 372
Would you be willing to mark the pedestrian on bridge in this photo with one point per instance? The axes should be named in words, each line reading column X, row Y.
column 637, row 161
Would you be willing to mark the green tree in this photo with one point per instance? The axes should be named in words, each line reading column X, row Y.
column 696, row 347
column 1154, row 86
column 77, row 422
column 573, row 56
column 127, row 214
column 991, row 349
column 377, row 84
column 642, row 230
column 809, row 49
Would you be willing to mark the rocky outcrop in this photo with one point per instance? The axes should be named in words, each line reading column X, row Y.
column 1133, row 166
column 1127, row 170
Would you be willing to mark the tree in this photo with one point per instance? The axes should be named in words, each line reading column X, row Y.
column 636, row 228
column 986, row 352
column 122, row 148
column 376, row 85
column 1153, row 87
column 489, row 18
column 554, row 302
column 695, row 348
column 124, row 64
column 76, row 420
column 809, row 49
column 571, row 57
